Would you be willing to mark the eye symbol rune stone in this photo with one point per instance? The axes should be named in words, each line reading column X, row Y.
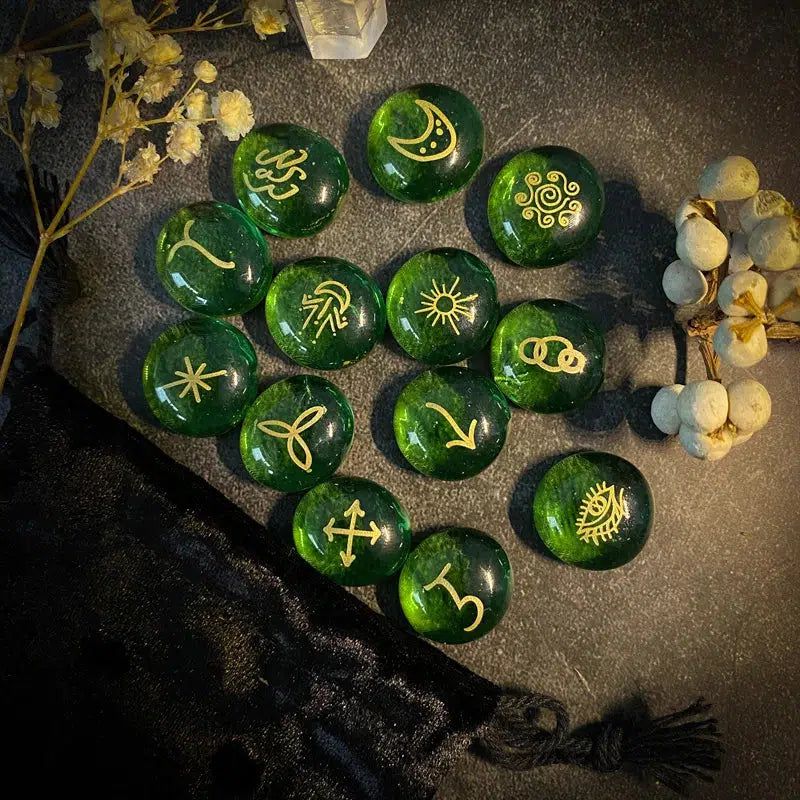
column 327, row 307
column 283, row 161
column 282, row 430
column 193, row 380
column 441, row 580
column 601, row 513
column 352, row 514
column 569, row 359
column 551, row 200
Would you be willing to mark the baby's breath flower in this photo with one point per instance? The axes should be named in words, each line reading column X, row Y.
column 267, row 16
column 131, row 37
column 143, row 167
column 164, row 52
column 39, row 74
column 184, row 141
column 45, row 110
column 198, row 105
column 121, row 120
column 10, row 70
column 110, row 12
column 101, row 54
column 156, row 83
column 234, row 114
column 205, row 71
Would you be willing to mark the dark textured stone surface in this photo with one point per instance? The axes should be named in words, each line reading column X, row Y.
column 649, row 93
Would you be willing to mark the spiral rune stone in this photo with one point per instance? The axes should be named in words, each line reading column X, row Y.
column 545, row 206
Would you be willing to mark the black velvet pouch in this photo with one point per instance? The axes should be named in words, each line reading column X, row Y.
column 157, row 642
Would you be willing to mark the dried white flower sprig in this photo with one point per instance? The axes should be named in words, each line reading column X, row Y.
column 736, row 285
column 140, row 63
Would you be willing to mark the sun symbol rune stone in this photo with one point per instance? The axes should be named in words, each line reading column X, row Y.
column 447, row 305
column 442, row 305
column 292, row 433
column 194, row 380
column 601, row 512
column 327, row 307
column 353, row 514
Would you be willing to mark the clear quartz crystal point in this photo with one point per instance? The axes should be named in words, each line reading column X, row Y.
column 340, row 28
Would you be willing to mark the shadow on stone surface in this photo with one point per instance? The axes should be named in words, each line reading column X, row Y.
column 477, row 199
column 144, row 256
column 220, row 172
column 355, row 142
column 381, row 420
column 129, row 371
column 227, row 447
column 520, row 506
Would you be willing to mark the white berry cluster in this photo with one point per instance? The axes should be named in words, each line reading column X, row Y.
column 737, row 273
column 750, row 239
column 709, row 418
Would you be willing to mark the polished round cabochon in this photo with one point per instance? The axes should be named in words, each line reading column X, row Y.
column 593, row 510
column 213, row 260
column 442, row 305
column 325, row 313
column 200, row 376
column 289, row 180
column 424, row 143
column 451, row 422
column 456, row 585
column 545, row 206
column 352, row 530
column 297, row 433
column 548, row 356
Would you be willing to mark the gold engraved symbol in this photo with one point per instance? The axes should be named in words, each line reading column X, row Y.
column 353, row 514
column 569, row 359
column 546, row 201
column 187, row 241
column 464, row 439
column 327, row 307
column 427, row 146
column 601, row 513
column 447, row 305
column 441, row 580
column 194, row 380
column 282, row 430
column 287, row 160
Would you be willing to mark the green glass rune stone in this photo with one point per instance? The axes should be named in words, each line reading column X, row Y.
column 593, row 510
column 425, row 143
column 545, row 206
column 289, row 180
column 456, row 585
column 547, row 355
column 200, row 376
column 325, row 313
column 352, row 530
column 442, row 305
column 297, row 433
column 213, row 260
column 451, row 422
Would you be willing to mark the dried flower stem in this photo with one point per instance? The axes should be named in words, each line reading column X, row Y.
column 710, row 359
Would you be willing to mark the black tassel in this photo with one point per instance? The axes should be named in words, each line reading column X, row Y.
column 673, row 749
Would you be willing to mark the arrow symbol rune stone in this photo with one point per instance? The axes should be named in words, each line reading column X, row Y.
column 353, row 514
column 464, row 439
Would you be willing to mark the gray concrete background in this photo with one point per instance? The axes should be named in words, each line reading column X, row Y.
column 650, row 93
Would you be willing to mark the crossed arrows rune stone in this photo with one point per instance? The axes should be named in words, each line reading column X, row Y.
column 353, row 514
